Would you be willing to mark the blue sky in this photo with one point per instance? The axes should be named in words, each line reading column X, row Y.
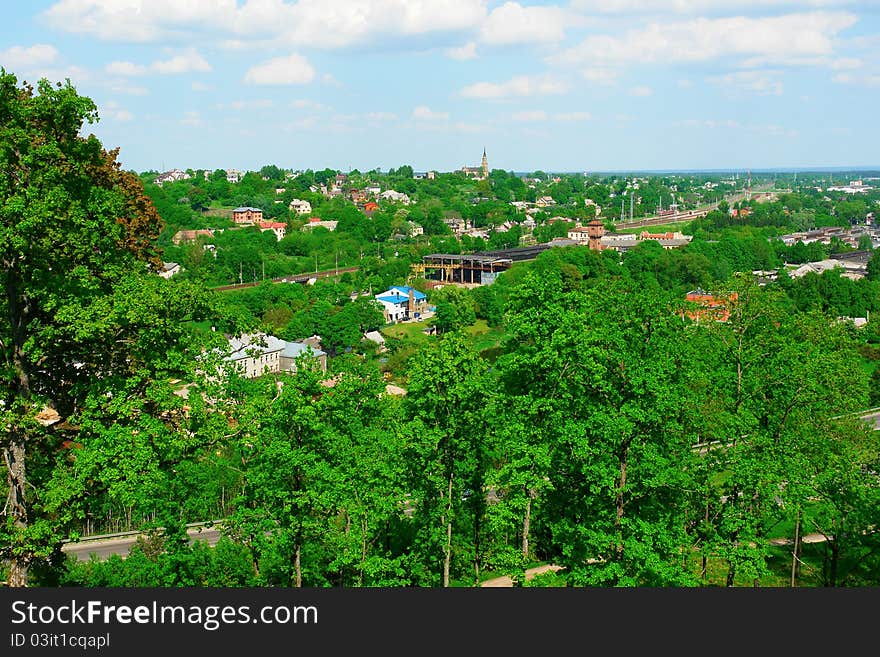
column 586, row 85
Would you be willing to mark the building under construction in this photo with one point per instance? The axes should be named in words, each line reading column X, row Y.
column 479, row 268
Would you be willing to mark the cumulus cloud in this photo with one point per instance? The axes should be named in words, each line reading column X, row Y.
column 694, row 6
column 256, row 103
column 601, row 76
column 188, row 61
column 112, row 110
column 512, row 23
column 521, row 85
column 424, row 113
column 20, row 57
column 784, row 37
column 762, row 83
column 467, row 51
column 315, row 23
column 531, row 115
column 381, row 116
column 573, row 116
column 293, row 69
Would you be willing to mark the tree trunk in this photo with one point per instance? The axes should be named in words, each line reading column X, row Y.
column 620, row 504
column 297, row 566
column 526, row 521
column 794, row 552
column 704, row 568
column 731, row 575
column 447, row 548
column 16, row 506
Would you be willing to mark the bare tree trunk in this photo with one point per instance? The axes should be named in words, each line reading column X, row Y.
column 731, row 575
column 16, row 506
column 704, row 568
column 526, row 521
column 447, row 549
column 297, row 566
column 620, row 499
column 794, row 552
column 364, row 526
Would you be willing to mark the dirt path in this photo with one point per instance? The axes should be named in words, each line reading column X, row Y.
column 505, row 581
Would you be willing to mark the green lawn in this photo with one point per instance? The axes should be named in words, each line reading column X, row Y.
column 484, row 337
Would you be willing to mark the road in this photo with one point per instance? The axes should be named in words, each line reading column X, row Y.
column 873, row 419
column 103, row 547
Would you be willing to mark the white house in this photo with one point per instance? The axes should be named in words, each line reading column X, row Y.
column 300, row 207
column 397, row 197
column 401, row 302
column 169, row 269
column 255, row 354
column 277, row 227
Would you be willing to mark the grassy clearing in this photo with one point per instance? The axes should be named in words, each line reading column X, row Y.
column 483, row 336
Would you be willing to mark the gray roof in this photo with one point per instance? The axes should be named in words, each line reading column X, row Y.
column 297, row 349
column 249, row 342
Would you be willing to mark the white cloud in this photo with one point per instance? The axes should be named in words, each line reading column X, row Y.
column 200, row 86
column 694, row 6
column 532, row 115
column 191, row 118
column 305, row 103
column 763, row 83
column 858, row 79
column 511, row 23
column 293, row 69
column 573, row 116
column 602, row 76
column 541, row 115
column 112, row 110
column 20, row 57
column 189, row 61
column 122, row 87
column 641, row 91
column 462, row 53
column 521, row 85
column 125, row 68
column 307, row 23
column 382, row 116
column 424, row 113
column 330, row 80
column 779, row 37
column 256, row 103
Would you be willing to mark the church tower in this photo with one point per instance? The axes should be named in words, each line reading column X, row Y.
column 484, row 164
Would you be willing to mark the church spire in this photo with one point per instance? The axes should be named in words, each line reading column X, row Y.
column 484, row 164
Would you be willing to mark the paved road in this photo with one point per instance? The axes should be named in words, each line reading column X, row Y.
column 121, row 544
column 873, row 419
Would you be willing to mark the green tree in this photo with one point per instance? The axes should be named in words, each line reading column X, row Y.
column 446, row 401
column 85, row 332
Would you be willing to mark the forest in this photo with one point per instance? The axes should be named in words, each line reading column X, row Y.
column 608, row 427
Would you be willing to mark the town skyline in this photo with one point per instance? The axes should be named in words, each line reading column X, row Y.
column 665, row 85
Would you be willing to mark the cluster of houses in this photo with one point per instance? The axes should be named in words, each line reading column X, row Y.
column 256, row 354
column 173, row 175
column 849, row 236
